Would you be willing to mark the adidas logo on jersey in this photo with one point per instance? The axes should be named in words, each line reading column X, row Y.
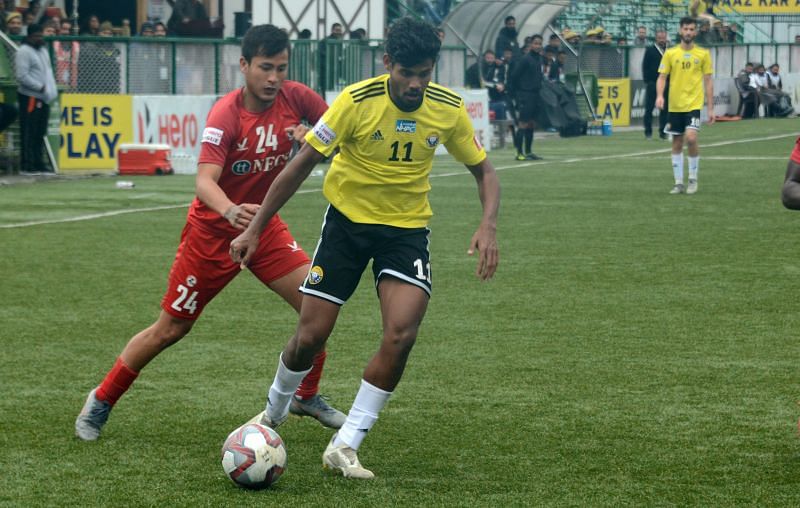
column 376, row 136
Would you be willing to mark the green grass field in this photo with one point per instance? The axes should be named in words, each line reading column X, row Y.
column 635, row 348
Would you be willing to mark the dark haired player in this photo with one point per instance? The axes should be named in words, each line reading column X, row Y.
column 245, row 145
column 387, row 129
column 790, row 194
column 689, row 70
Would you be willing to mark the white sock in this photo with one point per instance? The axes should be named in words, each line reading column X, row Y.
column 362, row 416
column 283, row 387
column 694, row 165
column 677, row 167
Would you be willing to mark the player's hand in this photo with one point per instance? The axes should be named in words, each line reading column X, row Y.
column 243, row 247
column 711, row 118
column 485, row 242
column 239, row 216
column 297, row 133
column 660, row 102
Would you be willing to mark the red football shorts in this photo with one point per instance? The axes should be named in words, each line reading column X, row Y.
column 203, row 266
column 796, row 152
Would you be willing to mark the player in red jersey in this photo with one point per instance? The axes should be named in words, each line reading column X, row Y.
column 791, row 184
column 246, row 143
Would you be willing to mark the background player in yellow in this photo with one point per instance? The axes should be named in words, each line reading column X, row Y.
column 689, row 70
column 387, row 129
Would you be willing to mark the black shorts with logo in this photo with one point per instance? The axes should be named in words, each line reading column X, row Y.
column 679, row 122
column 345, row 248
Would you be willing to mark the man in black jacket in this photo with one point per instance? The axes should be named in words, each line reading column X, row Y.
column 526, row 78
column 490, row 74
column 650, row 63
column 507, row 38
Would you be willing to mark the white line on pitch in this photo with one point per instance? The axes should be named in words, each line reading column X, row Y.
column 439, row 175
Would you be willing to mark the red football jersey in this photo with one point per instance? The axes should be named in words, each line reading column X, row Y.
column 252, row 148
column 796, row 152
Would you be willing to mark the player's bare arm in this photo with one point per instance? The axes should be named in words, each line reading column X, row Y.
column 485, row 238
column 708, row 80
column 210, row 193
column 661, row 84
column 283, row 188
column 790, row 194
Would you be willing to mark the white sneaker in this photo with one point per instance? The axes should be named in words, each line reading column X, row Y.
column 342, row 458
column 692, row 188
column 263, row 419
column 92, row 418
column 677, row 189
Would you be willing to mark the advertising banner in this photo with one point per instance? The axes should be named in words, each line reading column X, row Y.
column 614, row 100
column 92, row 128
column 174, row 120
column 760, row 6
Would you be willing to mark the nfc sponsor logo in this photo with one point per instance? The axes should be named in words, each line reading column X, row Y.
column 406, row 126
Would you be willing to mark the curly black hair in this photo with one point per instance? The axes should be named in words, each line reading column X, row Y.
column 410, row 42
column 264, row 40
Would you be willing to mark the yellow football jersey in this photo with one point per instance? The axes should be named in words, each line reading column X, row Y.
column 380, row 175
column 686, row 70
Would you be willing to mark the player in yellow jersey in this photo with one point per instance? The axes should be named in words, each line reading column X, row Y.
column 690, row 72
column 387, row 129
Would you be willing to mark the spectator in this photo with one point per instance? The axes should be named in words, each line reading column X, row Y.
column 36, row 90
column 185, row 16
column 561, row 58
column 507, row 38
column 549, row 62
column 50, row 28
column 66, row 53
column 554, row 42
column 572, row 38
column 106, row 29
column 330, row 52
column 92, row 27
column 160, row 29
column 125, row 31
column 595, row 35
column 65, row 27
column 304, row 34
column 148, row 30
column 774, row 77
column 650, row 63
column 14, row 23
column 358, row 34
column 490, row 74
column 28, row 18
column 527, row 82
column 776, row 103
column 641, row 37
column 99, row 66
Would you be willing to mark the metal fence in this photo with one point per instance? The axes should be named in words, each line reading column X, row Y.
column 205, row 66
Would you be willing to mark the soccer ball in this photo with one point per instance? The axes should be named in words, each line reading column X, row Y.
column 254, row 456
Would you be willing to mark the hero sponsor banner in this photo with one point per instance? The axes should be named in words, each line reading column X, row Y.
column 92, row 129
column 174, row 120
column 760, row 6
column 614, row 100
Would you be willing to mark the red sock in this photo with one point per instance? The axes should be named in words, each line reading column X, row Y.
column 310, row 384
column 116, row 382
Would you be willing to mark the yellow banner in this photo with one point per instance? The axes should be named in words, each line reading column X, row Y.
column 614, row 100
column 92, row 128
column 750, row 6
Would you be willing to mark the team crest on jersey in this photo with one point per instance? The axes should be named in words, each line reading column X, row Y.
column 315, row 275
column 191, row 280
column 432, row 140
column 406, row 126
column 697, row 61
column 241, row 167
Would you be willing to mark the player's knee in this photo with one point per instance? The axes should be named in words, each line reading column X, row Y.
column 167, row 334
column 400, row 340
column 309, row 342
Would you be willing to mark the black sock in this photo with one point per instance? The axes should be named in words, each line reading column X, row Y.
column 528, row 140
column 518, row 140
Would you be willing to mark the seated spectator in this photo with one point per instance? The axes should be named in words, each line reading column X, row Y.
column 14, row 24
column 490, row 73
column 65, row 28
column 304, row 34
column 774, row 77
column 703, row 10
column 160, row 29
column 66, row 53
column 748, row 107
column 106, row 29
column 50, row 28
column 189, row 17
column 770, row 93
column 554, row 42
column 148, row 30
column 572, row 38
column 92, row 26
column 595, row 35
column 549, row 55
column 125, row 31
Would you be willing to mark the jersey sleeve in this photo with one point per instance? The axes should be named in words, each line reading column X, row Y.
column 335, row 125
column 707, row 67
column 221, row 130
column 664, row 66
column 462, row 144
column 308, row 104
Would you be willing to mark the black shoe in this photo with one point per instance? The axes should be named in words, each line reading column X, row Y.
column 532, row 157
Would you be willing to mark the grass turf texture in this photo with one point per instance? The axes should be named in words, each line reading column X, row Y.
column 635, row 348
